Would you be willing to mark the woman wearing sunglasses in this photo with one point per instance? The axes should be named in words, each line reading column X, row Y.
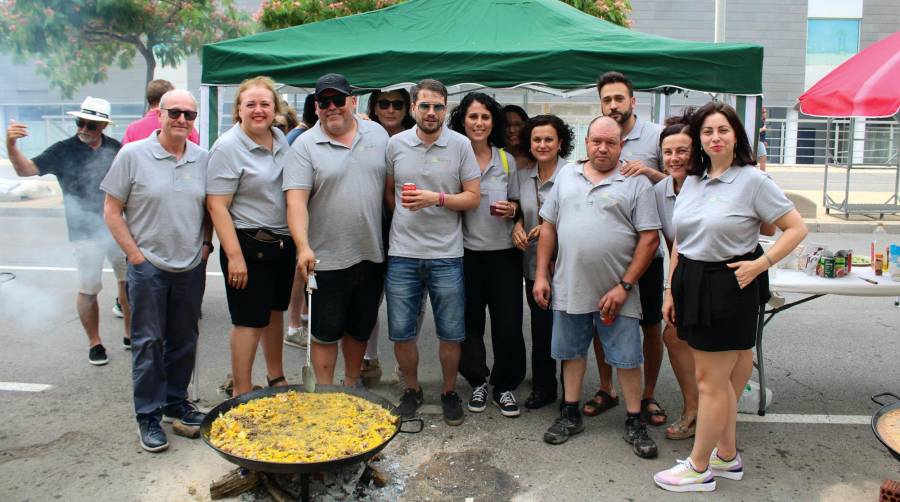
column 247, row 207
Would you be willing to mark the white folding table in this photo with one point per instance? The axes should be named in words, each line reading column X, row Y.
column 796, row 281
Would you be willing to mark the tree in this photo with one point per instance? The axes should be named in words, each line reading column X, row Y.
column 74, row 42
column 277, row 14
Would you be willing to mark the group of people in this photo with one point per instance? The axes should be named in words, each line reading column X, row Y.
column 403, row 208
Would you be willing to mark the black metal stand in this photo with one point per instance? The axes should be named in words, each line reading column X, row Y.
column 304, row 487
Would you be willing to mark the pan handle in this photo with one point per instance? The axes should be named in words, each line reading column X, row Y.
column 876, row 401
column 412, row 421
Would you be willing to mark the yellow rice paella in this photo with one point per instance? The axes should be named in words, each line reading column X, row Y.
column 298, row 427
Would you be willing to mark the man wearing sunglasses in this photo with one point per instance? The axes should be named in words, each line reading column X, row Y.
column 80, row 163
column 140, row 129
column 334, row 194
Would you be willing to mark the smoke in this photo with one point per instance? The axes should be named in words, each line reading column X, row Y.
column 25, row 306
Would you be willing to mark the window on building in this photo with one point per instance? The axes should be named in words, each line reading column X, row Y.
column 831, row 41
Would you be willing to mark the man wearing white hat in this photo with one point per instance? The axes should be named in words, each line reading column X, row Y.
column 80, row 163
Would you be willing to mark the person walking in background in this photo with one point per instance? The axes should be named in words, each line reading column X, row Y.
column 79, row 164
column 550, row 141
column 247, row 208
column 491, row 263
column 154, row 207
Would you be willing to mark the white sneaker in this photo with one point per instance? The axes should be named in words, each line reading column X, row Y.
column 117, row 309
column 296, row 337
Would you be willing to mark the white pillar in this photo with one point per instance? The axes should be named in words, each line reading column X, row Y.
column 859, row 143
column 791, row 128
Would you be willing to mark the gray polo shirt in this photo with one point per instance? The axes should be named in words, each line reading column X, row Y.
column 642, row 143
column 241, row 167
column 597, row 229
column 434, row 232
column 164, row 201
column 532, row 196
column 717, row 219
column 481, row 231
column 346, row 188
column 664, row 191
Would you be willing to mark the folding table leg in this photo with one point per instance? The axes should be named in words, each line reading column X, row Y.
column 760, row 361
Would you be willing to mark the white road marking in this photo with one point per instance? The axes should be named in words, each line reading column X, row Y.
column 23, row 387
column 67, row 269
column 787, row 418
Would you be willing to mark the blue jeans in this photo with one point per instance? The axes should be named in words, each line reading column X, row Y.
column 572, row 335
column 407, row 278
column 165, row 309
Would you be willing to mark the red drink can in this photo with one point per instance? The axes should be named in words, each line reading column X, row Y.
column 408, row 187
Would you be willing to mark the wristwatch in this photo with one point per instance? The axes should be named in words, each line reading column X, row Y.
column 627, row 286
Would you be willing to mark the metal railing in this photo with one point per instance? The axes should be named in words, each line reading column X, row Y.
column 878, row 145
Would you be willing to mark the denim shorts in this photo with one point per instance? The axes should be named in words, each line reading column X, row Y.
column 407, row 278
column 573, row 333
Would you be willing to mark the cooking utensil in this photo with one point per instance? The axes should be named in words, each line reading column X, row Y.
column 885, row 408
column 299, row 467
column 307, row 373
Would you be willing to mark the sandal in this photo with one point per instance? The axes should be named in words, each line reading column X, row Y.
column 655, row 417
column 684, row 428
column 594, row 406
column 275, row 380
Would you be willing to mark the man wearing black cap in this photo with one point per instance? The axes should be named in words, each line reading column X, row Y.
column 334, row 194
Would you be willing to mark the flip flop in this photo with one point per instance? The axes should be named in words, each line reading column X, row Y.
column 684, row 428
column 655, row 417
column 594, row 407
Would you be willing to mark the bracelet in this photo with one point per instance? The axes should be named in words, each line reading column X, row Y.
column 441, row 199
column 766, row 255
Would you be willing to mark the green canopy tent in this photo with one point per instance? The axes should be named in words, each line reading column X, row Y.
column 539, row 44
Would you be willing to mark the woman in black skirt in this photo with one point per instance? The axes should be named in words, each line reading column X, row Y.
column 717, row 271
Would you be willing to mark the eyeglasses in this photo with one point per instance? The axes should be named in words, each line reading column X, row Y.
column 438, row 107
column 174, row 113
column 339, row 101
column 90, row 125
column 397, row 104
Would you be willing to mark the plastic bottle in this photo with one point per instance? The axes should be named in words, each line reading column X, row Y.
column 749, row 400
column 879, row 241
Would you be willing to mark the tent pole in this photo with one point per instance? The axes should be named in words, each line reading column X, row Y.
column 209, row 118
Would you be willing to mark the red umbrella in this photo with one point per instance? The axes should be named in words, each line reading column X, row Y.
column 866, row 85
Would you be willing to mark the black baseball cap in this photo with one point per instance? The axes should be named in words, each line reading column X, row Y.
column 334, row 81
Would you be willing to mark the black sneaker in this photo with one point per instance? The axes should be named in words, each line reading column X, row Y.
column 568, row 424
column 97, row 355
column 507, row 404
column 152, row 437
column 539, row 399
column 452, row 407
column 126, row 343
column 636, row 435
column 410, row 402
column 478, row 401
column 186, row 412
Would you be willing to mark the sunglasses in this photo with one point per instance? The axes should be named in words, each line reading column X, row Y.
column 339, row 101
column 438, row 107
column 397, row 104
column 174, row 113
column 90, row 125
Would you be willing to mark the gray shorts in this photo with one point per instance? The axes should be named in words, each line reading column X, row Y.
column 89, row 255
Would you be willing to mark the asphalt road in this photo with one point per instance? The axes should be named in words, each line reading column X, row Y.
column 77, row 440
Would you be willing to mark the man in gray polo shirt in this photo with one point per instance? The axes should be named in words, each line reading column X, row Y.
column 641, row 156
column 606, row 225
column 335, row 191
column 159, row 183
column 432, row 178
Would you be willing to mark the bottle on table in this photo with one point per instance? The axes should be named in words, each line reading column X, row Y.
column 878, row 244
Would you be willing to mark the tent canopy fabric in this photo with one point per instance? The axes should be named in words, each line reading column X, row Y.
column 494, row 43
column 866, row 85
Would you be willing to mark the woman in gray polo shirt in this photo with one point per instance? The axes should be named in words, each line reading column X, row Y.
column 715, row 296
column 491, row 263
column 549, row 141
column 247, row 207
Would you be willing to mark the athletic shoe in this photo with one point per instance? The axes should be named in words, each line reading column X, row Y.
column 186, row 412
column 732, row 469
column 684, row 478
column 452, row 408
column 507, row 404
column 370, row 373
column 97, row 355
column 117, row 309
column 539, row 399
column 478, row 401
column 126, row 343
column 636, row 435
column 567, row 425
column 152, row 437
column 410, row 402
column 296, row 337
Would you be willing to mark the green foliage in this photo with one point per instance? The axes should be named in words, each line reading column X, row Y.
column 74, row 42
column 614, row 11
column 277, row 14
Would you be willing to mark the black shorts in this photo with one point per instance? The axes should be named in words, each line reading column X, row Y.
column 269, row 282
column 651, row 287
column 347, row 302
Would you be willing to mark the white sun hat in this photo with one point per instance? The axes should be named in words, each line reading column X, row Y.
column 95, row 109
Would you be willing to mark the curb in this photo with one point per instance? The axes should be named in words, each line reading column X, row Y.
column 51, row 212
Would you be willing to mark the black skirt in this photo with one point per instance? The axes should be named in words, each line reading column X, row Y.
column 712, row 312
